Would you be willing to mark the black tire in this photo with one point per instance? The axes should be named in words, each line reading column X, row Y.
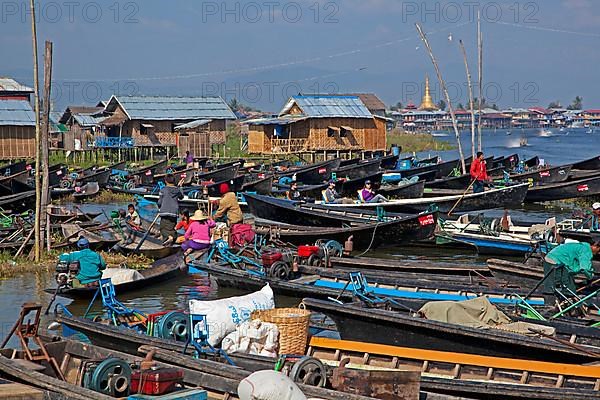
column 280, row 270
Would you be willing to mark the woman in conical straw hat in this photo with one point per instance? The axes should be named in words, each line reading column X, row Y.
column 198, row 234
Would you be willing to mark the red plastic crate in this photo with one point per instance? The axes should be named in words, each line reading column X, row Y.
column 270, row 257
column 307, row 251
column 156, row 381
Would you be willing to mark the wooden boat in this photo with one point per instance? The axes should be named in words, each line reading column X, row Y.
column 439, row 369
column 359, row 323
column 409, row 190
column 220, row 174
column 87, row 191
column 350, row 187
column 564, row 190
column 72, row 232
column 235, row 185
column 151, row 247
column 62, row 214
column 389, row 161
column 13, row 168
column 99, row 177
column 258, row 185
column 145, row 175
column 324, row 287
column 160, row 271
column 419, row 266
column 544, row 175
column 18, row 202
column 506, row 197
column 22, row 176
column 466, row 375
column 313, row 173
column 358, row 170
column 364, row 236
column 293, row 212
column 591, row 164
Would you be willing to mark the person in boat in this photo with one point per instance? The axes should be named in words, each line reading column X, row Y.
column 133, row 218
column 183, row 224
column 575, row 257
column 595, row 222
column 189, row 160
column 331, row 196
column 506, row 223
column 198, row 234
column 91, row 264
column 168, row 208
column 367, row 194
column 479, row 173
column 229, row 206
column 293, row 193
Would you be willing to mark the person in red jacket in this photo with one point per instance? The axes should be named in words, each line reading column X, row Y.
column 479, row 173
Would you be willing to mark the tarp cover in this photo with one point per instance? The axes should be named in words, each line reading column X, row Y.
column 478, row 313
column 119, row 276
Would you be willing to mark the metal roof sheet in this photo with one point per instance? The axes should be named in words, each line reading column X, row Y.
column 159, row 108
column 10, row 85
column 284, row 120
column 329, row 106
column 87, row 120
column 16, row 113
column 193, row 124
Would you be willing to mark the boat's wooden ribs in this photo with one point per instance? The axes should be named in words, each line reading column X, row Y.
column 459, row 366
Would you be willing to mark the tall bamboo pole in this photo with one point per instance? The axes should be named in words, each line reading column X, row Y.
column 480, row 77
column 36, row 99
column 45, row 138
column 471, row 101
column 445, row 91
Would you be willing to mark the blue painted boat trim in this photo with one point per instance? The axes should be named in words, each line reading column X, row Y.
column 494, row 244
column 420, row 295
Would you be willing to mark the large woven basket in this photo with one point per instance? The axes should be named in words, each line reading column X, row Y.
column 293, row 327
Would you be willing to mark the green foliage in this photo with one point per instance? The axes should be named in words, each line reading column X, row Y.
column 554, row 104
column 441, row 105
column 417, row 142
column 577, row 104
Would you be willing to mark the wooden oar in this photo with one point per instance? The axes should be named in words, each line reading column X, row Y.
column 137, row 248
column 461, row 197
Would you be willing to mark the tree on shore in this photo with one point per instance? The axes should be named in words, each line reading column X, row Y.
column 554, row 104
column 460, row 106
column 577, row 104
column 441, row 105
column 396, row 107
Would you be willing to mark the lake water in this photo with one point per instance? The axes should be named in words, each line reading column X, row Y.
column 558, row 148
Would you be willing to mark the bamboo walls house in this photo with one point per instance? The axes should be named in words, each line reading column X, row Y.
column 17, row 130
column 154, row 120
column 318, row 123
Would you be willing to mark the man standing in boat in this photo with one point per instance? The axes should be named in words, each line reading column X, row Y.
column 479, row 173
column 168, row 208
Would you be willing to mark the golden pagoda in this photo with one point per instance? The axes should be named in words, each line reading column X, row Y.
column 427, row 103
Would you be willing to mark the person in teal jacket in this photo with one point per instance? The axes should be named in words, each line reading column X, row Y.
column 91, row 264
column 575, row 257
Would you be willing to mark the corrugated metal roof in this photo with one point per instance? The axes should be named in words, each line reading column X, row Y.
column 193, row 124
column 285, row 120
column 87, row 120
column 329, row 106
column 16, row 113
column 10, row 85
column 158, row 108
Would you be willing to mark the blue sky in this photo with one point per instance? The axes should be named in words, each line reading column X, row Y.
column 263, row 51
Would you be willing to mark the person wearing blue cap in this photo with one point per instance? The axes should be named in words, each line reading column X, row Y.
column 331, row 196
column 91, row 264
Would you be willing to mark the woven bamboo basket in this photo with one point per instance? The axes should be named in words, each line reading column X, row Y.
column 293, row 327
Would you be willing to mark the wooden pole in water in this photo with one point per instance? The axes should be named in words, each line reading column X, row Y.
column 445, row 91
column 471, row 102
column 43, row 167
column 480, row 77
column 36, row 101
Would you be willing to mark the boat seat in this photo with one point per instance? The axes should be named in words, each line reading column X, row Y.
column 360, row 196
column 306, row 279
column 29, row 365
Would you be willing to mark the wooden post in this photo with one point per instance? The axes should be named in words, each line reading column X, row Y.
column 480, row 77
column 120, row 136
column 471, row 102
column 43, row 166
column 445, row 90
column 36, row 97
column 48, row 230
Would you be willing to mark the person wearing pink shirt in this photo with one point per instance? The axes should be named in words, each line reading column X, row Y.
column 198, row 234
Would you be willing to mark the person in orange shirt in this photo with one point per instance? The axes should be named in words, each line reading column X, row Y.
column 479, row 173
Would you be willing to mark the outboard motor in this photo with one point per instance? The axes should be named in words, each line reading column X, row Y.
column 65, row 273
